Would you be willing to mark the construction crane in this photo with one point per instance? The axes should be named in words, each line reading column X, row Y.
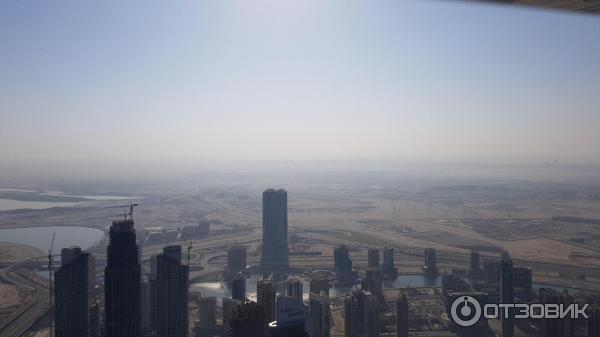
column 50, row 268
column 187, row 244
column 129, row 214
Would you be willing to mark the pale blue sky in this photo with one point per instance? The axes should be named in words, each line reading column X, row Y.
column 310, row 80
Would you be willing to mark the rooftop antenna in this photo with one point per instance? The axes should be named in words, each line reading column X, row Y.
column 187, row 244
column 50, row 268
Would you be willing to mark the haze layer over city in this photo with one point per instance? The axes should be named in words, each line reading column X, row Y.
column 257, row 158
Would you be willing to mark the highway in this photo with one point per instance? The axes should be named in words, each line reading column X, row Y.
column 18, row 322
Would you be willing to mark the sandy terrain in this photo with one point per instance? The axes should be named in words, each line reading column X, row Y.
column 9, row 298
column 10, row 252
column 369, row 211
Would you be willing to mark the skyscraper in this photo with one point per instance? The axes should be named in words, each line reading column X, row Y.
column 507, row 293
column 294, row 288
column 372, row 315
column 146, row 317
column 354, row 312
column 593, row 323
column 373, row 282
column 238, row 287
column 373, row 257
column 291, row 318
column 430, row 261
column 229, row 306
column 320, row 315
column 122, row 282
column 523, row 278
column 555, row 327
column 492, row 270
column 402, row 316
column 275, row 230
column 349, row 325
column 236, row 259
column 172, row 294
column 389, row 268
column 318, row 284
column 265, row 295
column 153, row 300
column 71, row 293
column 248, row 320
column 342, row 262
column 207, row 312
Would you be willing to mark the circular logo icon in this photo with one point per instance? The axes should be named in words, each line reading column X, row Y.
column 465, row 311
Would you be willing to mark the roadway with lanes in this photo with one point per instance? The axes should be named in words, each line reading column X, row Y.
column 19, row 322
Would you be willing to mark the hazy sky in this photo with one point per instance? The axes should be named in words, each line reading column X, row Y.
column 309, row 80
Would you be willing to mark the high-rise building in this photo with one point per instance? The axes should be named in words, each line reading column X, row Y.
column 319, row 284
column 349, row 325
column 229, row 306
column 362, row 311
column 402, row 316
column 354, row 320
column 172, row 294
column 140, row 253
column 294, row 288
column 373, row 258
column 248, row 320
column 275, row 230
column 593, row 323
column 373, row 282
column 72, row 293
column 507, row 294
column 430, row 261
column 153, row 264
column 555, row 327
column 372, row 315
column 342, row 262
column 266, row 298
column 389, row 268
column 238, row 287
column 236, row 259
column 146, row 318
column 475, row 264
column 153, row 310
column 122, row 282
column 455, row 283
column 291, row 318
column 207, row 312
column 320, row 315
column 523, row 278
column 492, row 271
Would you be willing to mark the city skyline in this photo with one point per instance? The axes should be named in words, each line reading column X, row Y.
column 300, row 168
column 158, row 304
